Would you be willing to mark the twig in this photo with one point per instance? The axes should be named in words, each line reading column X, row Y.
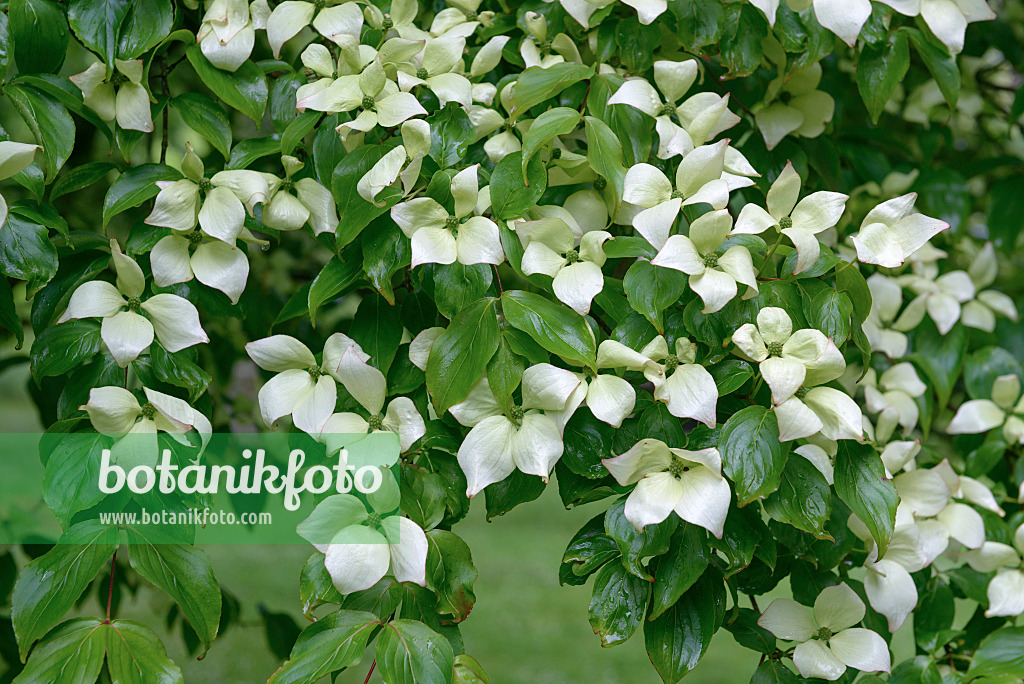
column 372, row 665
column 110, row 591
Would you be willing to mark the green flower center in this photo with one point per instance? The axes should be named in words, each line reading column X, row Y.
column 671, row 363
column 319, row 4
column 118, row 78
column 600, row 184
column 677, row 194
column 785, row 222
column 288, row 185
column 677, row 467
column 472, row 16
column 134, row 304
column 148, row 410
column 802, row 392
column 451, row 223
column 774, row 348
column 544, row 46
column 387, row 24
column 710, row 260
column 195, row 237
column 589, row 373
column 824, row 634
column 375, row 423
column 374, row 521
column 422, row 74
column 667, row 110
column 614, row 62
column 205, row 184
column 368, row 102
column 315, row 373
column 516, row 413
column 556, row 153
column 572, row 256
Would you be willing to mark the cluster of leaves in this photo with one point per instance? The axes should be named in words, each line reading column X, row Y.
column 468, row 207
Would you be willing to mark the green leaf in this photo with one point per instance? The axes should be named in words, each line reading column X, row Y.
column 6, row 46
column 940, row 64
column 185, row 574
column 505, row 372
column 1000, row 654
column 96, row 22
column 744, row 29
column 133, row 187
column 299, row 127
column 881, row 68
column 204, row 116
column 850, row 281
column 58, row 349
column 604, row 153
column 512, row 191
column 451, row 134
column 617, row 604
column 803, row 500
column 983, row 367
column 537, row 84
column 749, row 634
column 1005, row 213
column 651, row 289
column 637, row 43
column 39, row 29
column 460, row 354
column 635, row 545
column 860, row 482
column 940, row 356
column 245, row 152
column 354, row 212
column 245, row 89
column 146, row 25
column 409, row 652
column 71, row 480
column 377, row 327
column 557, row 328
column 179, row 370
column 315, row 585
column 386, row 251
column 329, row 644
column 331, row 281
column 831, row 313
column 678, row 638
column 774, row 672
column 456, row 286
column 752, row 455
column 50, row 585
column 80, row 177
column 27, row 253
column 77, row 646
column 700, row 22
column 136, row 656
column 51, row 125
column 677, row 570
column 730, row 375
column 9, row 318
column 586, row 440
column 451, row 573
column 423, row 496
column 517, row 488
column 547, row 126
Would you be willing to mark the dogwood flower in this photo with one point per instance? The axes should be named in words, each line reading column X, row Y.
column 361, row 542
column 218, row 204
column 435, row 70
column 880, row 326
column 687, row 482
column 487, row 120
column 947, row 19
column 889, row 587
column 487, row 58
column 403, row 161
column 803, row 113
column 891, row 232
column 308, row 390
column 581, row 10
column 228, row 31
column 1005, row 590
column 15, row 157
column 381, row 101
column 129, row 321
column 441, row 238
column 685, row 386
column 121, row 96
column 701, row 117
column 1005, row 408
column 713, row 274
column 799, row 221
column 179, row 257
column 551, row 249
column 981, row 311
column 926, row 498
column 525, row 438
column 941, row 298
column 333, row 23
column 460, row 19
column 845, row 19
column 310, row 202
column 420, row 346
column 828, row 642
column 892, row 395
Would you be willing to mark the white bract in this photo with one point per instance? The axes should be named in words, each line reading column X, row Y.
column 687, row 482
column 129, row 320
column 291, row 203
column 120, row 96
column 890, row 588
column 927, row 499
column 15, row 157
column 892, row 232
column 575, row 265
column 362, row 544
column 1005, row 408
column 799, row 221
column 1006, row 589
column 334, row 23
column 307, row 389
column 403, row 161
column 947, row 19
column 442, row 238
column 981, row 311
column 435, row 69
column 714, row 273
column 892, row 395
column 805, row 111
column 881, row 327
column 228, row 31
column 401, row 417
column 941, row 298
column 828, row 642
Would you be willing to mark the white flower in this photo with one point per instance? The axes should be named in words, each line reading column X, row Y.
column 1006, row 408
column 551, row 249
column 713, row 273
column 828, row 641
column 927, row 499
column 125, row 331
column 14, row 158
column 361, row 545
column 940, row 298
column 700, row 177
column 333, row 23
column 435, row 70
column 890, row 588
column 442, row 238
column 891, row 232
column 404, row 160
column 701, row 117
column 581, row 10
column 880, row 327
column 380, row 99
column 218, row 204
column 804, row 114
column 1006, row 589
column 525, row 439
column 487, row 120
column 179, row 257
column 892, row 395
column 306, row 389
column 310, row 202
column 947, row 19
column 687, row 482
column 845, row 18
column 686, row 387
column 460, row 20
column 419, row 348
column 981, row 311
column 128, row 104
column 228, row 31
column 800, row 222
column 488, row 57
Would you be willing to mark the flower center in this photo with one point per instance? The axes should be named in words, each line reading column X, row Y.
column 315, row 373
column 288, row 185
column 451, row 223
column 118, row 79
column 319, row 4
column 667, row 110
column 556, row 153
column 572, row 256
column 471, row 16
column 710, row 260
column 671, row 363
column 589, row 373
column 802, row 392
column 422, row 73
column 387, row 24
column 774, row 348
column 600, row 183
column 544, row 45
column 516, row 413
column 205, row 184
column 375, row 423
column 677, row 194
column 374, row 521
column 134, row 304
column 368, row 102
column 148, row 411
column 195, row 237
column 824, row 634
column 677, row 467
column 785, row 222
